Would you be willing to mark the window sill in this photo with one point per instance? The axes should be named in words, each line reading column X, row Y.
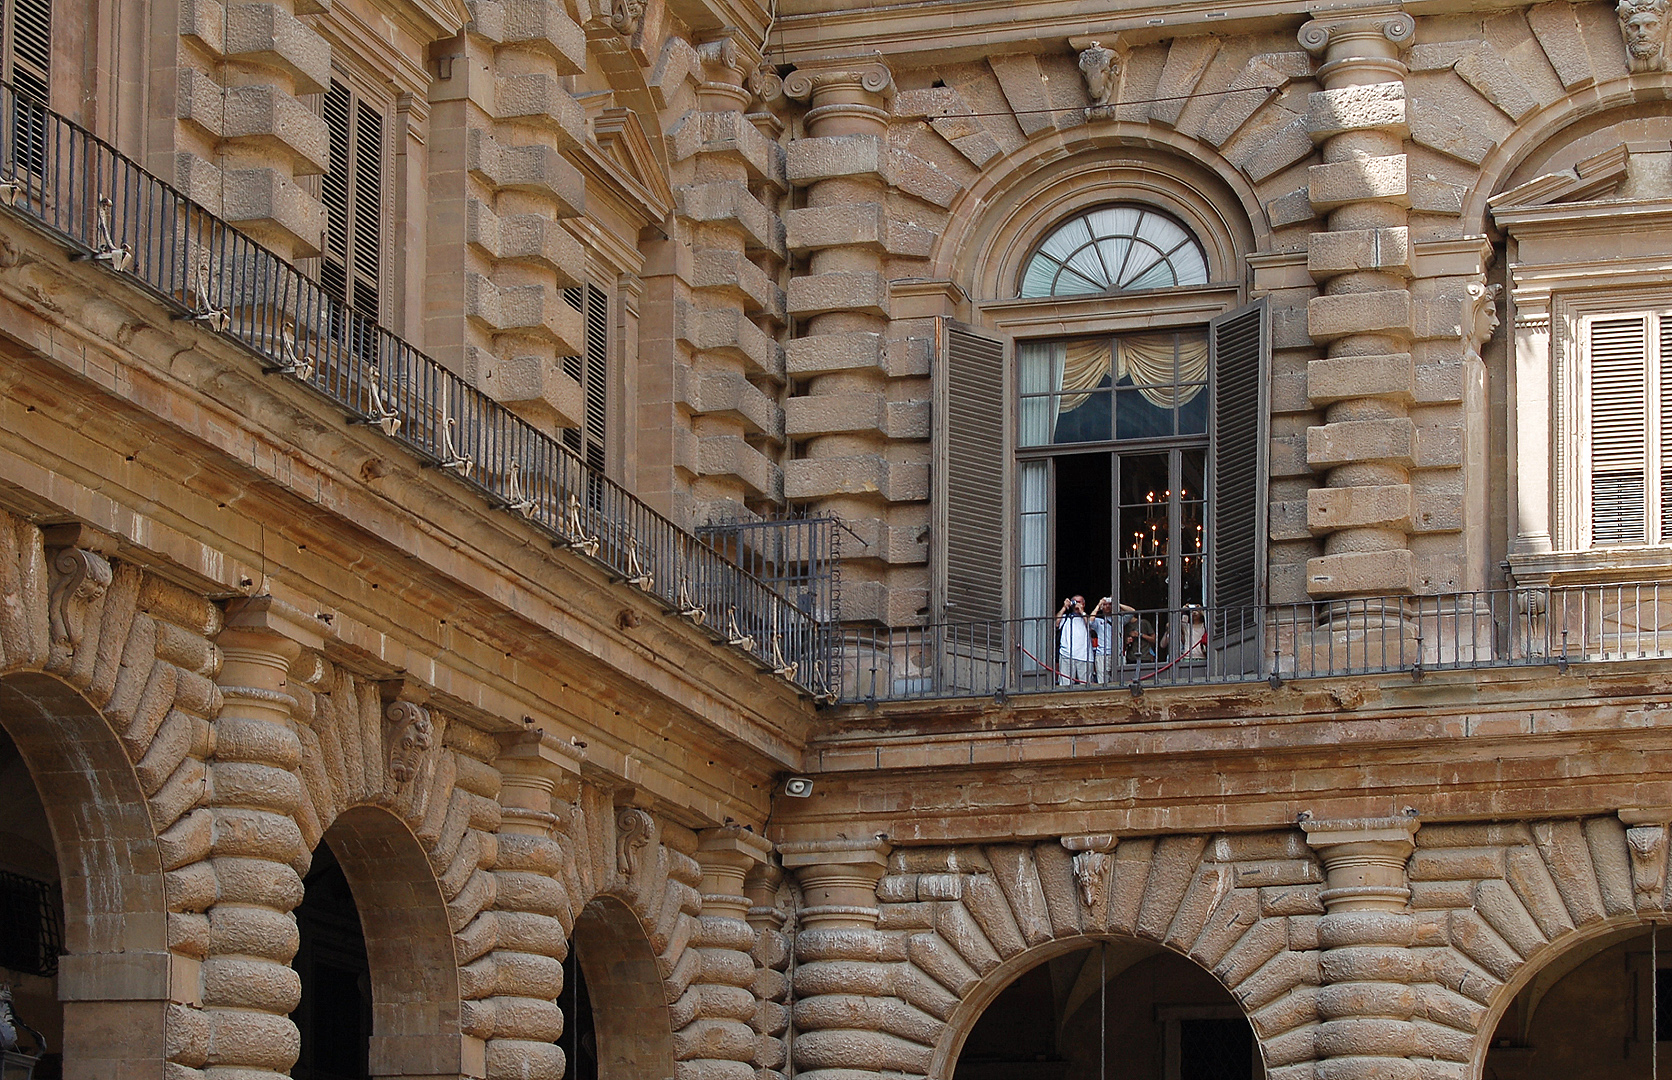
column 1614, row 565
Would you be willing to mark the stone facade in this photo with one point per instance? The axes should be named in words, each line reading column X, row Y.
column 719, row 250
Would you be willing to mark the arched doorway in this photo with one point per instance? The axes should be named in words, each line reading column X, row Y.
column 375, row 957
column 81, row 858
column 1600, row 1010
column 616, row 1019
column 1111, row 1010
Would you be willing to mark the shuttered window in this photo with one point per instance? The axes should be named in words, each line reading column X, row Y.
column 974, row 483
column 351, row 261
column 592, row 371
column 28, row 56
column 1236, row 344
column 1629, row 398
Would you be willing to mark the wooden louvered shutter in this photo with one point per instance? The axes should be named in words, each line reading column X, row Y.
column 27, row 64
column 972, row 486
column 597, row 374
column 351, row 261
column 1619, row 430
column 1237, row 347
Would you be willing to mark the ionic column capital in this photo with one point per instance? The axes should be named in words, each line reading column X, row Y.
column 1360, row 47
column 1364, row 861
column 848, row 96
column 838, row 879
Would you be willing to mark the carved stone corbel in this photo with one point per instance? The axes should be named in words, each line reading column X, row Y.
column 633, row 831
column 1643, row 26
column 1646, row 842
column 409, row 735
column 1101, row 66
column 80, row 578
column 1480, row 317
column 1092, row 864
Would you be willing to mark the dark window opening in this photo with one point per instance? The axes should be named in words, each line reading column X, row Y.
column 335, row 1013
column 580, row 1039
column 31, row 930
column 1215, row 1049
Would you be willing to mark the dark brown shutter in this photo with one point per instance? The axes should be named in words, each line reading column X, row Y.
column 336, row 108
column 31, row 46
column 1236, row 547
column 368, row 208
column 351, row 260
column 974, row 484
column 597, row 374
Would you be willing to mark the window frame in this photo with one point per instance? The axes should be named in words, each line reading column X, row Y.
column 1570, row 416
column 362, row 96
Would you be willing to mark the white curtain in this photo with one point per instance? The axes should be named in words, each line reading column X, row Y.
column 1148, row 358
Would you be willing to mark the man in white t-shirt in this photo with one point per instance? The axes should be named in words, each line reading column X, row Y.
column 1073, row 643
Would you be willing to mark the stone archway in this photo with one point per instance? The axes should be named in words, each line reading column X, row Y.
column 622, row 986
column 408, row 945
column 114, row 976
column 1075, row 1005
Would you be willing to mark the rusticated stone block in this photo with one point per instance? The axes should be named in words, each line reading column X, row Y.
column 856, row 224
column 835, row 156
column 857, row 475
column 274, row 200
column 1392, row 440
column 825, row 414
column 1339, row 316
column 270, row 114
column 1357, row 180
column 1455, row 864
column 204, row 21
column 1339, row 378
column 544, row 26
column 535, row 168
column 732, row 203
column 856, row 350
column 1379, row 106
column 268, row 34
column 535, row 382
column 539, row 99
column 1557, row 29
column 200, row 100
column 735, row 276
column 1385, row 507
column 1331, row 253
column 839, row 291
column 1357, row 573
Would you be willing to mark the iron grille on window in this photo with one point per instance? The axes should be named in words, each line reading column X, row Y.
column 31, row 932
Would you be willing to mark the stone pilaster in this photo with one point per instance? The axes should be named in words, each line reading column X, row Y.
column 1366, row 1002
column 837, row 939
column 1366, row 446
column 258, row 854
column 850, row 466
column 717, row 1042
column 736, row 304
column 519, row 980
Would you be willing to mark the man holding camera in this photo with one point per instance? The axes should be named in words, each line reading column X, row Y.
column 1073, row 643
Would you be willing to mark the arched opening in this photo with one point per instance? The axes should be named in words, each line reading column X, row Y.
column 615, row 1012
column 1111, row 1009
column 380, row 994
column 80, row 855
column 1600, row 1010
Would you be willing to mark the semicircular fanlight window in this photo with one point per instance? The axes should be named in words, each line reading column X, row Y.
column 1115, row 249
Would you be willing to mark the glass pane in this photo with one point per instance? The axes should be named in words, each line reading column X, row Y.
column 1192, row 526
column 1039, row 367
column 1086, row 261
column 1144, row 540
column 1191, row 268
column 1137, row 416
column 1114, row 255
column 1034, row 421
column 1193, row 410
column 1073, row 284
column 1160, row 231
column 1143, row 257
column 1159, row 276
column 1087, row 418
column 1114, row 220
column 1037, row 279
column 1062, row 243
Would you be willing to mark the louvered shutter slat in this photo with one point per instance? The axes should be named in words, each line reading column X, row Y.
column 1619, row 430
column 975, row 471
column 333, row 188
column 597, row 374
column 1236, row 344
column 31, row 45
column 368, row 207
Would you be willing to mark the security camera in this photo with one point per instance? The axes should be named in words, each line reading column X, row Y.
column 798, row 787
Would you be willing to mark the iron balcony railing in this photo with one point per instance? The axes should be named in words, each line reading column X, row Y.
column 104, row 207
column 1140, row 650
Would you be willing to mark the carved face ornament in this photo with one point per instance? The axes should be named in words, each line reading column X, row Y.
column 1642, row 24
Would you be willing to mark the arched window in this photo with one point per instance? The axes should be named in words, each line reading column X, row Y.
column 1115, row 249
column 1132, row 453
